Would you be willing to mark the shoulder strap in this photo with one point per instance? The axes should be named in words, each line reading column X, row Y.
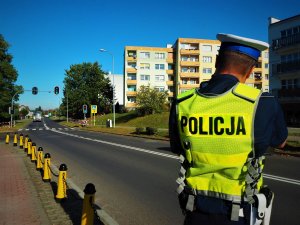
column 246, row 92
column 185, row 95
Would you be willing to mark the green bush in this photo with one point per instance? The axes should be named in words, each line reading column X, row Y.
column 151, row 130
column 139, row 130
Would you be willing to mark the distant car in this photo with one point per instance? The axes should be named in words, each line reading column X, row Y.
column 37, row 117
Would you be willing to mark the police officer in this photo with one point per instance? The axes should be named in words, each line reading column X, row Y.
column 221, row 132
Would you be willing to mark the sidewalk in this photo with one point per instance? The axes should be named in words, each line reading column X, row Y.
column 26, row 199
column 19, row 201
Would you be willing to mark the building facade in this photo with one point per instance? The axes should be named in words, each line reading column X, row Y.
column 178, row 68
column 118, row 80
column 284, row 40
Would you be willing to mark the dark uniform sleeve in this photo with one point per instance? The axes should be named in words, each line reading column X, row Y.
column 269, row 128
column 173, row 131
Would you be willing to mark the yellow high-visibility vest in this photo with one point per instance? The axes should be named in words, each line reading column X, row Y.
column 217, row 133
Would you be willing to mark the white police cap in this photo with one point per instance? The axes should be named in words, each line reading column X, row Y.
column 247, row 46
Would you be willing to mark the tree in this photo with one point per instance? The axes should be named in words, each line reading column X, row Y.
column 86, row 84
column 8, row 76
column 150, row 100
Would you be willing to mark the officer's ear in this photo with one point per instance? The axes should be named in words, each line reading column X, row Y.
column 249, row 72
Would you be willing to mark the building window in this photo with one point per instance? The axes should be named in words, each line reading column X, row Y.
column 170, row 78
column 207, row 59
column 266, row 76
column 184, row 58
column 266, row 55
column 145, row 66
column 194, row 81
column 132, row 54
column 131, row 87
column 184, row 69
column 159, row 66
column 170, row 66
column 193, row 69
column 171, row 89
column 266, row 65
column 159, row 77
column 159, row 55
column 288, row 84
column 207, row 48
column 207, row 70
column 131, row 99
column 145, row 55
column 184, row 81
column 160, row 89
column 145, row 77
column 131, row 76
column 132, row 65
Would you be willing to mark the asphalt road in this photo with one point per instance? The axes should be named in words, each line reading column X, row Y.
column 135, row 177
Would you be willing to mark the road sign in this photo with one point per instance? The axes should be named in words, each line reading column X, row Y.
column 94, row 108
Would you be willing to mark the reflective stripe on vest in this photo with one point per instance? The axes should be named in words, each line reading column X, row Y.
column 217, row 135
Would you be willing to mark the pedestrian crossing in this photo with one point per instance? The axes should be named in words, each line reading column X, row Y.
column 46, row 128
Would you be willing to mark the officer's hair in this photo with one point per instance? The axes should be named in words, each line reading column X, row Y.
column 235, row 61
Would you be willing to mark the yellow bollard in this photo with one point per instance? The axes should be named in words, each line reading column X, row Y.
column 87, row 217
column 33, row 151
column 29, row 145
column 26, row 143
column 21, row 141
column 46, row 171
column 7, row 138
column 62, row 186
column 15, row 139
column 39, row 163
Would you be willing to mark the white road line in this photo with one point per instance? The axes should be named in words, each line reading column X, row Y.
column 124, row 146
column 282, row 179
column 267, row 176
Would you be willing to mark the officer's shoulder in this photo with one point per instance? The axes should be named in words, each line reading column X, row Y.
column 185, row 95
column 246, row 92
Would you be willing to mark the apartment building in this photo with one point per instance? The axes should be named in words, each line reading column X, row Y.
column 178, row 68
column 153, row 67
column 284, row 40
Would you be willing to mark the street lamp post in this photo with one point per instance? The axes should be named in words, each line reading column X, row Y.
column 12, row 106
column 114, row 113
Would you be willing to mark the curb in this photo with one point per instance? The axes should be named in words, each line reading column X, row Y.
column 103, row 215
column 287, row 153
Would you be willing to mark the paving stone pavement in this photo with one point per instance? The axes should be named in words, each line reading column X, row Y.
column 43, row 208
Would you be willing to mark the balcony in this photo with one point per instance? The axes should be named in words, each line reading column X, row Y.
column 189, row 63
column 189, row 86
column 131, row 93
column 189, row 74
column 286, row 41
column 170, row 72
column 189, row 52
column 131, row 70
column 131, row 58
column 170, row 60
column 170, row 82
column 131, row 82
column 286, row 67
column 131, row 105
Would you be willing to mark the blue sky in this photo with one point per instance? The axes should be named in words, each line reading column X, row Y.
column 48, row 36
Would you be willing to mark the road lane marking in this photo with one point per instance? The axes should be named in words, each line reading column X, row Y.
column 122, row 146
column 267, row 176
column 282, row 179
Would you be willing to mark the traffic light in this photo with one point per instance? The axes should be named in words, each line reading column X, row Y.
column 34, row 90
column 56, row 90
column 84, row 108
